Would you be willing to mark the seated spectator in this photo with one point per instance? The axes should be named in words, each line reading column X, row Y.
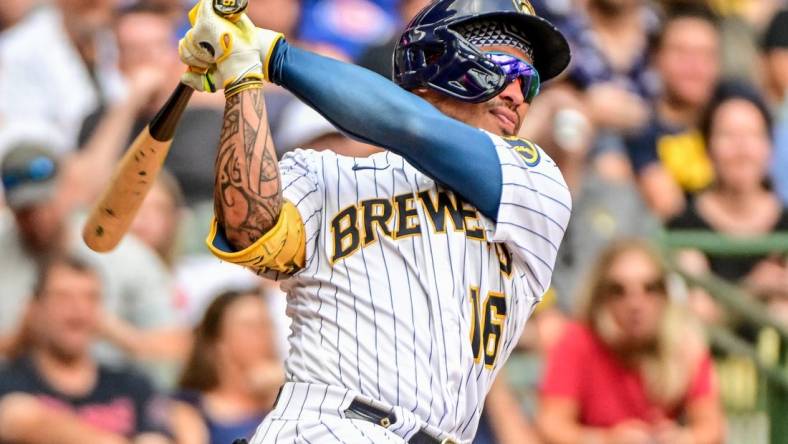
column 57, row 64
column 634, row 369
column 737, row 130
column 54, row 391
column 303, row 127
column 347, row 26
column 148, row 59
column 668, row 155
column 609, row 42
column 233, row 374
column 775, row 64
column 41, row 222
column 378, row 57
column 12, row 13
column 503, row 420
column 158, row 218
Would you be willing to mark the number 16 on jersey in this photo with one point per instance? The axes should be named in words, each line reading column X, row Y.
column 487, row 325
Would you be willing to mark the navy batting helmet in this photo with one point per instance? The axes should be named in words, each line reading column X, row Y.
column 432, row 52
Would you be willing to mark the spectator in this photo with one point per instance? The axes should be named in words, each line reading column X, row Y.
column 149, row 60
column 610, row 65
column 633, row 365
column 12, row 13
column 232, row 376
column 57, row 65
column 303, row 127
column 55, row 391
column 40, row 222
column 775, row 49
column 737, row 129
column 668, row 154
column 348, row 26
column 159, row 216
column 281, row 15
column 503, row 421
column 378, row 57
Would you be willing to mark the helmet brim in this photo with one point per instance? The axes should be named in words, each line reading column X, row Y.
column 550, row 47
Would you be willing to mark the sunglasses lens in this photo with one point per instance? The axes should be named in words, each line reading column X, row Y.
column 515, row 69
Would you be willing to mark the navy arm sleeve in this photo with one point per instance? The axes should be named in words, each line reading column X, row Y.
column 370, row 108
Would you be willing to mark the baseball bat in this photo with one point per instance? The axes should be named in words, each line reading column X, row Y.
column 134, row 176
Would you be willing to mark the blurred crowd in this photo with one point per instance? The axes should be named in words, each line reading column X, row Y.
column 673, row 115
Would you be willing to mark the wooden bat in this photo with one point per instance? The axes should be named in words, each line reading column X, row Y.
column 134, row 176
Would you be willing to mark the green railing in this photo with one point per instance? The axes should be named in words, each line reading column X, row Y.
column 753, row 377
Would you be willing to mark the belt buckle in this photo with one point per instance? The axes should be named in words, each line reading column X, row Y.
column 448, row 441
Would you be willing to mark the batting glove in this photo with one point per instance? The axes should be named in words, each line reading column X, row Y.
column 220, row 52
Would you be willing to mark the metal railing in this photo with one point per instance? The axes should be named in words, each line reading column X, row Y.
column 754, row 377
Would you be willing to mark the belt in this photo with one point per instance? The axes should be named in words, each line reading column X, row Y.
column 361, row 410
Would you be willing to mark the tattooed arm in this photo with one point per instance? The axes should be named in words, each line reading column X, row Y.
column 248, row 194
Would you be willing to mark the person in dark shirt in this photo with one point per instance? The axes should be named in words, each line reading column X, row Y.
column 54, row 391
column 668, row 155
column 737, row 131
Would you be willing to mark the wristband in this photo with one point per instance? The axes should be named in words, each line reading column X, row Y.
column 242, row 85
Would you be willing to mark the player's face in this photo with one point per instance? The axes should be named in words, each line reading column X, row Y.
column 635, row 296
column 247, row 336
column 502, row 115
column 67, row 312
column 739, row 145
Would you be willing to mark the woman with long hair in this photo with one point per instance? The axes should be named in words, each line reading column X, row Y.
column 635, row 367
column 740, row 203
column 231, row 378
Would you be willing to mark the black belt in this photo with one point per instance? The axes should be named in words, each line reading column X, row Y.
column 361, row 410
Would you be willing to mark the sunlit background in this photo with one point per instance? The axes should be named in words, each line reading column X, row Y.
column 667, row 320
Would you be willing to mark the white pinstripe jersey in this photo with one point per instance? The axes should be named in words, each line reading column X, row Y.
column 409, row 296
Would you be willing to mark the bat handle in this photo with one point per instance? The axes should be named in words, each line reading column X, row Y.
column 163, row 125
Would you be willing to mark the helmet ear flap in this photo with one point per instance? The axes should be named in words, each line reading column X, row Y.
column 441, row 59
column 464, row 72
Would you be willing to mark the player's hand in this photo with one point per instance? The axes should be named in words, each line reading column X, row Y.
column 229, row 49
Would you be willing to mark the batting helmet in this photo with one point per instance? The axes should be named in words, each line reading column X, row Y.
column 432, row 53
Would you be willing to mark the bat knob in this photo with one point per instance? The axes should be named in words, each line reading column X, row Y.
column 230, row 8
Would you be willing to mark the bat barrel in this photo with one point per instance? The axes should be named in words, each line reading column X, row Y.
column 134, row 176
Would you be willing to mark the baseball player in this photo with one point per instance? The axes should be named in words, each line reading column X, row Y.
column 409, row 273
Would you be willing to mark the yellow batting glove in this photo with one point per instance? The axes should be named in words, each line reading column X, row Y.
column 213, row 40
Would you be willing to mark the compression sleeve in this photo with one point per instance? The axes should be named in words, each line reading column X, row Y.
column 370, row 108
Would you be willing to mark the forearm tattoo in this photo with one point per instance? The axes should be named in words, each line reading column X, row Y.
column 247, row 195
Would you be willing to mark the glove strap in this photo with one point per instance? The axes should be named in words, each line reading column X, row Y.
column 242, row 85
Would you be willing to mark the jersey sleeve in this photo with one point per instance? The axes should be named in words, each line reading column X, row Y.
column 534, row 210
column 301, row 186
column 285, row 249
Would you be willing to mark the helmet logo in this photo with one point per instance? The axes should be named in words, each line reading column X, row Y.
column 524, row 6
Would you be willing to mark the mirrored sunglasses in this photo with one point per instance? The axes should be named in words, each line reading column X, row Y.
column 516, row 68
